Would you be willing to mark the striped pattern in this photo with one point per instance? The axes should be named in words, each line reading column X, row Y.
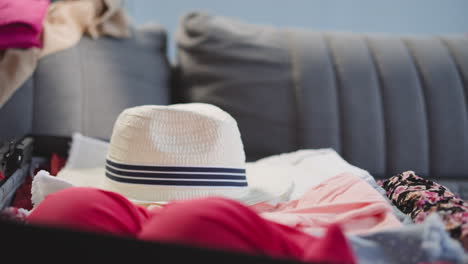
column 177, row 176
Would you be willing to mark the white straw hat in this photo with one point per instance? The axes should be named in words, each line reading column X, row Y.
column 182, row 151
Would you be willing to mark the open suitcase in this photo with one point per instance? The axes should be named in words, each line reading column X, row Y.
column 15, row 161
column 48, row 243
column 18, row 159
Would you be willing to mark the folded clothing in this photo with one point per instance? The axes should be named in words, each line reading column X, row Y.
column 43, row 184
column 419, row 197
column 21, row 23
column 345, row 199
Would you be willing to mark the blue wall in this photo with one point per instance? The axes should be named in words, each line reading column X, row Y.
column 390, row 16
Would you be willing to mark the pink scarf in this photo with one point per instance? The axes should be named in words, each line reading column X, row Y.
column 345, row 200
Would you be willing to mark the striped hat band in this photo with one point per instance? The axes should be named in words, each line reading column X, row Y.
column 175, row 175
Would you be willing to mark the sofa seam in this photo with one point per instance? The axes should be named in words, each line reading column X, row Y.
column 426, row 111
column 83, row 89
column 33, row 103
column 381, row 86
column 335, row 69
column 296, row 82
column 461, row 77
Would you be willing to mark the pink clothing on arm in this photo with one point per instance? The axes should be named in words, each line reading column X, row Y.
column 21, row 23
column 345, row 199
column 212, row 222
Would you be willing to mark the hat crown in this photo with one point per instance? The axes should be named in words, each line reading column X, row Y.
column 194, row 134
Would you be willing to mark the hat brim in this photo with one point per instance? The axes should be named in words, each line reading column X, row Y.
column 266, row 183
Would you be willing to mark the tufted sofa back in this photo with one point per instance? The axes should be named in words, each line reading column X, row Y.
column 386, row 103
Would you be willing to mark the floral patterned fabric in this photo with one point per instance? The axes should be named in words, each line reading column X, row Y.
column 419, row 197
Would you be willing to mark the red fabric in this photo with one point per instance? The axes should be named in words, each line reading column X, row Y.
column 209, row 222
column 56, row 164
column 21, row 23
column 90, row 209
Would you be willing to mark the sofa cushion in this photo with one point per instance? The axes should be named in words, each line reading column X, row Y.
column 386, row 103
column 16, row 114
column 84, row 88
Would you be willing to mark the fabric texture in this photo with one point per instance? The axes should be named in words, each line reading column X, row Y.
column 419, row 197
column 44, row 184
column 21, row 23
column 86, row 152
column 90, row 210
column 14, row 214
column 62, row 28
column 209, row 222
column 381, row 101
column 345, row 199
column 31, row 191
column 310, row 167
column 67, row 21
column 427, row 242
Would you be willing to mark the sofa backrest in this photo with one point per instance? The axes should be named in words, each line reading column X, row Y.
column 386, row 103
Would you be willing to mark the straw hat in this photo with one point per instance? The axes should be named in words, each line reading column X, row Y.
column 161, row 153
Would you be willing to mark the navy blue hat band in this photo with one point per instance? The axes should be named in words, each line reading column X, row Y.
column 174, row 175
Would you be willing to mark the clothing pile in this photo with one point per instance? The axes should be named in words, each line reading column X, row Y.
column 321, row 198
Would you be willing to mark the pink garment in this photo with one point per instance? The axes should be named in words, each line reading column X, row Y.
column 21, row 23
column 345, row 199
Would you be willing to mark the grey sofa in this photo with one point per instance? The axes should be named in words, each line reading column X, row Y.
column 386, row 103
